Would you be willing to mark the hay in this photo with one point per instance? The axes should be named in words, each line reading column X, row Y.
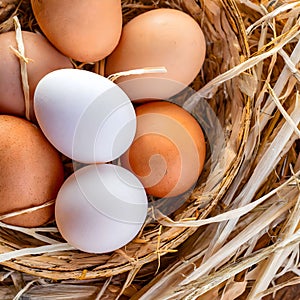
column 20, row 53
column 238, row 232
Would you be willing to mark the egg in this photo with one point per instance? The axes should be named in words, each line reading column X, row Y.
column 31, row 172
column 84, row 115
column 158, row 38
column 86, row 31
column 168, row 151
column 100, row 208
column 43, row 58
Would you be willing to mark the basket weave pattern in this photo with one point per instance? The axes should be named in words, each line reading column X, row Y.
column 242, row 67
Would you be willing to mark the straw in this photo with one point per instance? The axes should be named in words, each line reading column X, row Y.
column 237, row 233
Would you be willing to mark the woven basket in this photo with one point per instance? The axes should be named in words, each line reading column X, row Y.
column 232, row 82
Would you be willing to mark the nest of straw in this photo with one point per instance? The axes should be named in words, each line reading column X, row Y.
column 237, row 235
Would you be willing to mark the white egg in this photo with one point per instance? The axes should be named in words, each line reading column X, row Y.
column 100, row 208
column 84, row 115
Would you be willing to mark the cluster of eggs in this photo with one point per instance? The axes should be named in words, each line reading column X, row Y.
column 159, row 147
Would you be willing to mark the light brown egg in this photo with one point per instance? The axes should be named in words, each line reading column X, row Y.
column 31, row 172
column 43, row 58
column 86, row 31
column 159, row 38
column 168, row 151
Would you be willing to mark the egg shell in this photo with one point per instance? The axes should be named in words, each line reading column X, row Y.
column 168, row 151
column 84, row 115
column 100, row 208
column 31, row 172
column 43, row 58
column 159, row 38
column 141, row 89
column 86, row 31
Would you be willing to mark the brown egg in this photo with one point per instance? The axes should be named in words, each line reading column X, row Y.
column 31, row 172
column 159, row 38
column 43, row 58
column 168, row 151
column 86, row 31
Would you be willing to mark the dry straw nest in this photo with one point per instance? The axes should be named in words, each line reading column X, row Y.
column 238, row 230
